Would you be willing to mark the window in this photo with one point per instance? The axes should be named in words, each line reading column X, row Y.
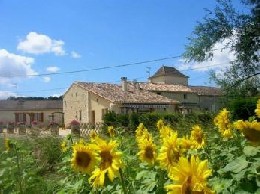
column 80, row 115
column 38, row 117
column 104, row 111
column 185, row 96
column 20, row 117
column 93, row 117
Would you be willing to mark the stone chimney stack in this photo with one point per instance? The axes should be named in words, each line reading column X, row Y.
column 124, row 83
column 136, row 85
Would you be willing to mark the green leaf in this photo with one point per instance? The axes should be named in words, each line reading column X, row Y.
column 221, row 185
column 251, row 150
column 235, row 166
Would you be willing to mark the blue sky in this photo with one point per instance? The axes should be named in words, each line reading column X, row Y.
column 39, row 38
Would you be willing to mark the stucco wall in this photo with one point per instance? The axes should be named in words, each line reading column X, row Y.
column 182, row 96
column 170, row 80
column 210, row 103
column 98, row 104
column 78, row 104
column 75, row 102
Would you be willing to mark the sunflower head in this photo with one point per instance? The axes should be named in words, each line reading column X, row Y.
column 197, row 135
column 97, row 178
column 222, row 120
column 111, row 131
column 169, row 152
column 160, row 124
column 190, row 176
column 8, row 144
column 186, row 143
column 93, row 134
column 64, row 146
column 140, row 130
column 251, row 130
column 110, row 162
column 84, row 158
column 147, row 151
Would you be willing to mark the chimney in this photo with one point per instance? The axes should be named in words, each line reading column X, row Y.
column 124, row 83
column 136, row 85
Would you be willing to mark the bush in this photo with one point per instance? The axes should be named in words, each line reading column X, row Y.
column 243, row 108
column 74, row 123
column 133, row 121
column 110, row 119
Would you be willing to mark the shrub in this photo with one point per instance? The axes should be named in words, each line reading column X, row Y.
column 243, row 108
column 110, row 118
column 74, row 123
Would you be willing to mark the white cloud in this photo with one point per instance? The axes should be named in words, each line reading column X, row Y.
column 53, row 69
column 75, row 55
column 6, row 94
column 35, row 43
column 46, row 79
column 222, row 56
column 14, row 67
column 57, row 95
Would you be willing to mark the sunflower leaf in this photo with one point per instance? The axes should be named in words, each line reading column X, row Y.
column 235, row 166
column 250, row 150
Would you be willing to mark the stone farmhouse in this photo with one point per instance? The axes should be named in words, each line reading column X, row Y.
column 27, row 111
column 166, row 91
column 88, row 102
column 171, row 83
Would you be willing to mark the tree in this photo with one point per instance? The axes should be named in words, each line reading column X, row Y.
column 242, row 30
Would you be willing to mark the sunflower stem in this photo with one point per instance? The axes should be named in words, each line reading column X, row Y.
column 19, row 170
column 122, row 181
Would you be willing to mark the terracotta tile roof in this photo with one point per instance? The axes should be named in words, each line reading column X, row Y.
column 114, row 93
column 165, row 87
column 206, row 90
column 165, row 70
column 30, row 105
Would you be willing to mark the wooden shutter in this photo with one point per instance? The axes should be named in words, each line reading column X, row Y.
column 16, row 116
column 24, row 117
column 42, row 117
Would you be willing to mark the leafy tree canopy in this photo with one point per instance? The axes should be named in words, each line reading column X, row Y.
column 242, row 30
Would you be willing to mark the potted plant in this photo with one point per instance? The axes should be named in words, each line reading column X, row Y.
column 34, row 130
column 75, row 127
column 1, row 127
column 54, row 128
column 10, row 127
column 21, row 128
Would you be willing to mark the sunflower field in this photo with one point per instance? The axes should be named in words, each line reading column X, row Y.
column 222, row 156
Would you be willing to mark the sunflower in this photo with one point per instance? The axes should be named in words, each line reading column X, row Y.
column 8, row 144
column 165, row 132
column 147, row 151
column 190, row 177
column 198, row 136
column 251, row 130
column 160, row 124
column 64, row 146
column 111, row 131
column 97, row 178
column 186, row 143
column 223, row 123
column 84, row 158
column 169, row 152
column 257, row 110
column 109, row 164
column 93, row 134
column 140, row 130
